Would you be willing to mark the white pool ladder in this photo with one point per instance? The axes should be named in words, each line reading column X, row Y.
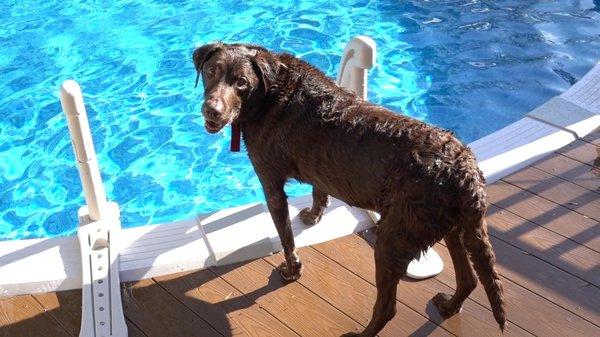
column 99, row 224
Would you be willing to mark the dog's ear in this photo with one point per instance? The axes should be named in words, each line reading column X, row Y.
column 202, row 54
column 268, row 67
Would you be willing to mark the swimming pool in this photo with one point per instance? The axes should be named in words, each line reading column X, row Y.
column 470, row 66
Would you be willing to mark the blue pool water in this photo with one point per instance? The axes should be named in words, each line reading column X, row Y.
column 470, row 66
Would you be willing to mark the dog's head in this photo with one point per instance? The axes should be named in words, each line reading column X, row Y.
column 236, row 78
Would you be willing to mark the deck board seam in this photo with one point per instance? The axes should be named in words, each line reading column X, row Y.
column 51, row 315
column 536, row 256
column 591, row 133
column 186, row 306
column 565, row 155
column 571, row 181
column 319, row 296
column 137, row 326
column 543, row 197
column 265, row 311
column 506, row 277
column 487, row 308
column 534, row 165
column 397, row 300
column 573, row 157
column 544, row 227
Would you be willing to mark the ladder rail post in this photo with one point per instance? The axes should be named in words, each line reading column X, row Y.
column 83, row 146
column 99, row 225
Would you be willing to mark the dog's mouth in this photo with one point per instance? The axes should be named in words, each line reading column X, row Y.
column 212, row 126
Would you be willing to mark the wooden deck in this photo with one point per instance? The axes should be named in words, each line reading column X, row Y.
column 545, row 228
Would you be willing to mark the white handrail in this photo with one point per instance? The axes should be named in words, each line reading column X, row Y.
column 83, row 146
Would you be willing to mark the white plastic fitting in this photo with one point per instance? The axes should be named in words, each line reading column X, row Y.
column 358, row 57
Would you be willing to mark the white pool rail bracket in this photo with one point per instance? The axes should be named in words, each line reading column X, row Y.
column 102, row 310
column 358, row 57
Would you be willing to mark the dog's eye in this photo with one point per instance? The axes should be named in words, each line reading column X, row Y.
column 242, row 82
column 211, row 72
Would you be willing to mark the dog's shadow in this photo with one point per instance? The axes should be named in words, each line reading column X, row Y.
column 205, row 302
column 201, row 294
column 199, row 303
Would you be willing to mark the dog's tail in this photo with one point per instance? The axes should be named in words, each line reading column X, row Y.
column 477, row 243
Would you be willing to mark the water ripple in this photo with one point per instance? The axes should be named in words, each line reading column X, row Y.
column 470, row 66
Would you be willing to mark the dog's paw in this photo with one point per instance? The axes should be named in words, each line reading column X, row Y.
column 290, row 274
column 442, row 302
column 308, row 217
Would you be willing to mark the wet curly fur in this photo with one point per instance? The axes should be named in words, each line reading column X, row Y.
column 298, row 124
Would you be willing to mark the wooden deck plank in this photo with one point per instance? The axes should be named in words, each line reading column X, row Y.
column 65, row 307
column 22, row 316
column 132, row 330
column 157, row 313
column 354, row 296
column 572, row 170
column 519, row 301
column 583, row 151
column 225, row 308
column 297, row 307
column 529, row 310
column 548, row 214
column 557, row 190
column 544, row 244
column 547, row 280
column 355, row 254
column 593, row 137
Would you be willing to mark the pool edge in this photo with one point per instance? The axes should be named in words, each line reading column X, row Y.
column 53, row 264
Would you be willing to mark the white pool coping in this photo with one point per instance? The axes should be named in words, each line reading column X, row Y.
column 53, row 264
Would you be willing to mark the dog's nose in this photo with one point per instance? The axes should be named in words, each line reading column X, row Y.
column 212, row 109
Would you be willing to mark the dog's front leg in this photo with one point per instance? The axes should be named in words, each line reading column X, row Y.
column 291, row 269
column 312, row 215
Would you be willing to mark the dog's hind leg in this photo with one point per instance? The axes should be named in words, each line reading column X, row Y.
column 311, row 216
column 277, row 203
column 392, row 256
column 466, row 280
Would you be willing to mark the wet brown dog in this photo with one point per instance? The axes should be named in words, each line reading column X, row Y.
column 297, row 124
